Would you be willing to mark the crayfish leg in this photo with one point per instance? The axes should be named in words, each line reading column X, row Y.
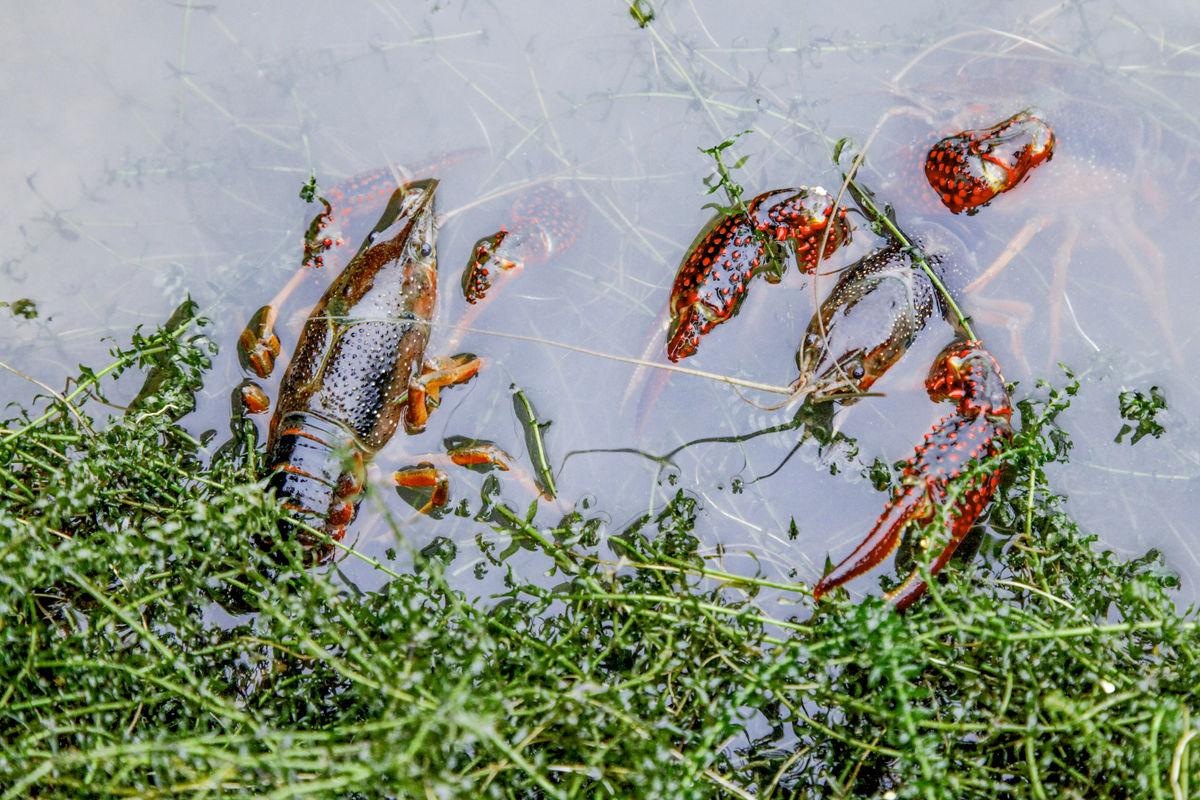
column 425, row 476
column 483, row 454
column 424, row 391
column 258, row 346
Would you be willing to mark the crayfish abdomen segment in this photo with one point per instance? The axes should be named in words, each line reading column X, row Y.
column 317, row 472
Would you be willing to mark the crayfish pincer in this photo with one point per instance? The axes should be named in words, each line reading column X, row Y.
column 980, row 427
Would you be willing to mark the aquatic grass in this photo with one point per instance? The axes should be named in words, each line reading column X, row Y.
column 149, row 647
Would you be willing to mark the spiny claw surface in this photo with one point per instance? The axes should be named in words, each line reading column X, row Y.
column 715, row 275
column 969, row 169
column 487, row 255
column 979, row 428
column 804, row 219
column 711, row 282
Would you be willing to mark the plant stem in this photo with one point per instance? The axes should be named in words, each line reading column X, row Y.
column 868, row 207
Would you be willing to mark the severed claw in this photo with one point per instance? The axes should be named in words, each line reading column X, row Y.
column 715, row 275
column 543, row 223
column 711, row 282
column 978, row 429
column 954, row 445
column 969, row 169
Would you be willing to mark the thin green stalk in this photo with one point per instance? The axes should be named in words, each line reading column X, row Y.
column 120, row 363
column 870, row 209
column 533, row 438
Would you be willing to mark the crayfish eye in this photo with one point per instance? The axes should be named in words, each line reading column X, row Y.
column 426, row 249
column 857, row 372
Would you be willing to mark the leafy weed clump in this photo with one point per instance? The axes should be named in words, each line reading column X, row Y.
column 148, row 646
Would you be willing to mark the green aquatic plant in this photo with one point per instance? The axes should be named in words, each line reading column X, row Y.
column 1142, row 409
column 24, row 308
column 722, row 179
column 642, row 12
column 308, row 191
column 149, row 647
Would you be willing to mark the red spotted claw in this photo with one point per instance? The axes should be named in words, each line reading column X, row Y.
column 969, row 169
column 980, row 427
column 713, row 279
column 800, row 217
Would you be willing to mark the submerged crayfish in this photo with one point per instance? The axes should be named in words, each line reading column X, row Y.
column 359, row 370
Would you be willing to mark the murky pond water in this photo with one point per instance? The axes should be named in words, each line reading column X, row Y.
column 158, row 153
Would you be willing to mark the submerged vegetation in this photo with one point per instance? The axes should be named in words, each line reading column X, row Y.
column 149, row 646
column 24, row 308
column 1142, row 409
column 152, row 646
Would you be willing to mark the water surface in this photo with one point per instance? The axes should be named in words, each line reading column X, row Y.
column 158, row 152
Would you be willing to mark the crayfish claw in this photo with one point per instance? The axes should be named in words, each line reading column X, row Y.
column 908, row 592
column 909, row 505
column 978, row 429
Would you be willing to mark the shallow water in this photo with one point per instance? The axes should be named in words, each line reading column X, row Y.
column 159, row 152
